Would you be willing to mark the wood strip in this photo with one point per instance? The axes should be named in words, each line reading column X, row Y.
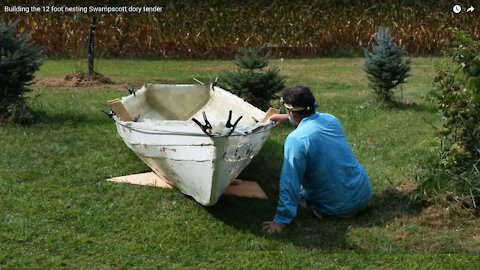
column 270, row 112
column 144, row 179
column 240, row 188
column 120, row 110
column 249, row 189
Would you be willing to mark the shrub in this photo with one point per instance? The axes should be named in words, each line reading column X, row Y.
column 18, row 62
column 457, row 93
column 384, row 65
column 251, row 81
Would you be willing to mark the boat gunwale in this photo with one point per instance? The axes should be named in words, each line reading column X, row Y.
column 267, row 127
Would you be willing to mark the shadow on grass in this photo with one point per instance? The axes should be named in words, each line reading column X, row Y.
column 410, row 106
column 307, row 231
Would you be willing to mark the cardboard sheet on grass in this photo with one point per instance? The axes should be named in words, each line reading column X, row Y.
column 240, row 188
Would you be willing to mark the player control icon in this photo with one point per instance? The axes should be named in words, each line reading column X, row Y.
column 457, row 9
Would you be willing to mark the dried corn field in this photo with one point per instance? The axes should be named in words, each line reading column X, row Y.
column 217, row 29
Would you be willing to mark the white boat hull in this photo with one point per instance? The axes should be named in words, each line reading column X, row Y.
column 199, row 165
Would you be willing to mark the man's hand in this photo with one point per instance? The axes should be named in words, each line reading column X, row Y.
column 271, row 227
column 278, row 119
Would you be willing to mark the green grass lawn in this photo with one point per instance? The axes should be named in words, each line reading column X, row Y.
column 57, row 210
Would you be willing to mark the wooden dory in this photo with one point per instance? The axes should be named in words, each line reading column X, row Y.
column 201, row 157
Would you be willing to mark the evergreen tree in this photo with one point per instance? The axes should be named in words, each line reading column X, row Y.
column 18, row 62
column 251, row 81
column 384, row 65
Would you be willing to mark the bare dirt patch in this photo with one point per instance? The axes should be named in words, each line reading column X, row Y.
column 77, row 80
column 368, row 141
column 83, row 79
column 441, row 217
column 405, row 186
column 450, row 212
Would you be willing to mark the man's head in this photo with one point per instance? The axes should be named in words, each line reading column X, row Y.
column 299, row 103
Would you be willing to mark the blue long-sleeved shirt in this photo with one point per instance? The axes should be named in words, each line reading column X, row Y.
column 318, row 157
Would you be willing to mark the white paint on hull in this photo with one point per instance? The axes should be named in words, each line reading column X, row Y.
column 178, row 151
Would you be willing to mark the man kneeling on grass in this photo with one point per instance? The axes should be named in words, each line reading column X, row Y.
column 319, row 167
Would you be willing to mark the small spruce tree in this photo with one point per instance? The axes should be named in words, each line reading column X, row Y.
column 384, row 66
column 18, row 62
column 251, row 81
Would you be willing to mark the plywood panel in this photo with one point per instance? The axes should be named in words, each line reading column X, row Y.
column 270, row 112
column 119, row 110
column 240, row 188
